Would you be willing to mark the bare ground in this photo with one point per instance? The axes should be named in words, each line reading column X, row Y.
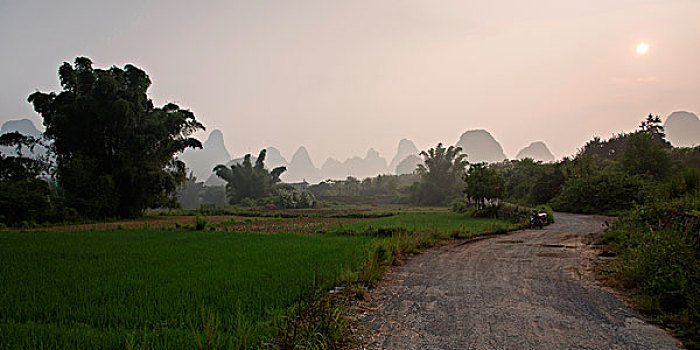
column 531, row 289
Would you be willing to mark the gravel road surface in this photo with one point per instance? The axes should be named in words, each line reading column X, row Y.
column 531, row 289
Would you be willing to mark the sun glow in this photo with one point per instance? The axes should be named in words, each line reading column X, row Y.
column 642, row 48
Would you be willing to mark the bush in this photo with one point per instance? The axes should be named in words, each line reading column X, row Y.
column 664, row 266
column 604, row 192
column 658, row 250
column 289, row 198
column 460, row 206
column 200, row 222
column 487, row 212
column 23, row 201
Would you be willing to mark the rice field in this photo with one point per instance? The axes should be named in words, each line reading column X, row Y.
column 444, row 224
column 158, row 289
column 171, row 288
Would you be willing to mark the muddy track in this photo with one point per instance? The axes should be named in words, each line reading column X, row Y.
column 527, row 290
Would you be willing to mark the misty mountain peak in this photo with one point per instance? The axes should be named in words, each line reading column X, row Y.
column 406, row 148
column 331, row 162
column 274, row 158
column 538, row 151
column 408, row 165
column 372, row 154
column 213, row 152
column 301, row 168
column 481, row 146
column 216, row 136
column 683, row 129
column 302, row 156
column 23, row 126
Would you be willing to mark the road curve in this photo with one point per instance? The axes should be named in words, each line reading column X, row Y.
column 525, row 290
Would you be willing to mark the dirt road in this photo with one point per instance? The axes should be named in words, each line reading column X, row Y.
column 526, row 290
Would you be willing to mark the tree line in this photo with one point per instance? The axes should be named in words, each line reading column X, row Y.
column 112, row 153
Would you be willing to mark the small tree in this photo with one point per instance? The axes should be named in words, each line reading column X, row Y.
column 247, row 181
column 484, row 183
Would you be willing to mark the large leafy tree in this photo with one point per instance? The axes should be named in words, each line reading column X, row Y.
column 484, row 183
column 114, row 150
column 441, row 175
column 245, row 180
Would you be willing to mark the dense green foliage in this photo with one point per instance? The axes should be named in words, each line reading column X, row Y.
column 113, row 149
column 441, row 176
column 530, row 183
column 158, row 289
column 247, row 181
column 606, row 176
column 646, row 156
column 23, row 197
column 604, row 191
column 382, row 189
column 483, row 183
column 658, row 249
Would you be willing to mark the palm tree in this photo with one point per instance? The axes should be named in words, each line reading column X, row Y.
column 441, row 174
column 247, row 181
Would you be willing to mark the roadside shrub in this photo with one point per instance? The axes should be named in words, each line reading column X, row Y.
column 603, row 192
column 460, row 206
column 24, row 200
column 682, row 183
column 663, row 264
column 486, row 212
column 658, row 249
column 200, row 222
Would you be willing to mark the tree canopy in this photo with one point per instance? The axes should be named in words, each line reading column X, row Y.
column 482, row 183
column 441, row 175
column 243, row 180
column 114, row 150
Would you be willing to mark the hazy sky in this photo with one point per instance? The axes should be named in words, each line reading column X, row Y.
column 340, row 77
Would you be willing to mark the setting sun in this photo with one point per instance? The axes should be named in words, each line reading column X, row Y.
column 642, row 48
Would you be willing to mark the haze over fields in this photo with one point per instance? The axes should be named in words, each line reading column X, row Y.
column 343, row 78
column 682, row 130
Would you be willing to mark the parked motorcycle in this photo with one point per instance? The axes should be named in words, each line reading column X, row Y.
column 538, row 219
